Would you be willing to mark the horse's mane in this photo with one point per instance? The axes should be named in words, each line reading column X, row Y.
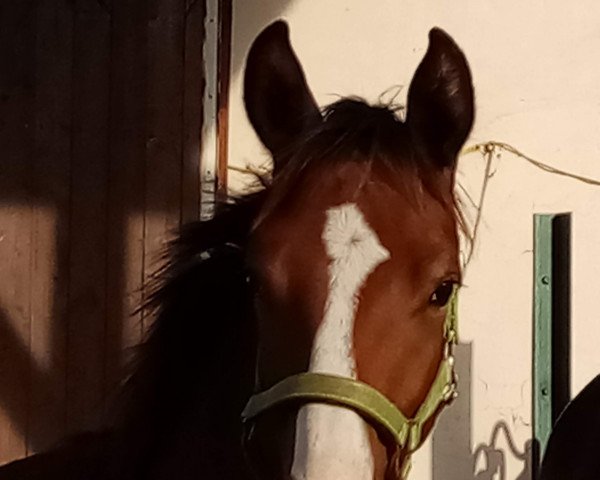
column 353, row 130
column 198, row 353
column 198, row 356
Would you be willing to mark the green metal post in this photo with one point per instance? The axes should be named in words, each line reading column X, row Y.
column 542, row 330
column 551, row 323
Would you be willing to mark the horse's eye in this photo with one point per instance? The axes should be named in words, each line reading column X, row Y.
column 442, row 294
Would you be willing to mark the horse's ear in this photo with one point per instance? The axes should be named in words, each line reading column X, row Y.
column 278, row 101
column 440, row 101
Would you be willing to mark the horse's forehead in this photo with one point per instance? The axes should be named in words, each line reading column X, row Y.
column 415, row 219
column 406, row 220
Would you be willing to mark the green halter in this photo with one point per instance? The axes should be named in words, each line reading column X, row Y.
column 364, row 399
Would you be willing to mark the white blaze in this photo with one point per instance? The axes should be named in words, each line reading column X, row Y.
column 332, row 442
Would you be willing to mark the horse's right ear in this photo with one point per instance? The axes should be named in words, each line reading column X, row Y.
column 440, row 101
column 278, row 101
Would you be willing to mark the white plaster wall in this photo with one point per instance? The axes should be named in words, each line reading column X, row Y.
column 536, row 69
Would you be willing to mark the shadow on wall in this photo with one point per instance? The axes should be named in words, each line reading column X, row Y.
column 453, row 456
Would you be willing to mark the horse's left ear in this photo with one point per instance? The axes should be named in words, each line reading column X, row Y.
column 440, row 101
column 279, row 104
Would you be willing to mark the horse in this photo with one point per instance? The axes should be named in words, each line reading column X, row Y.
column 572, row 450
column 306, row 330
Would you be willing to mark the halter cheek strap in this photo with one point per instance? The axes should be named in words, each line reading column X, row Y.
column 366, row 400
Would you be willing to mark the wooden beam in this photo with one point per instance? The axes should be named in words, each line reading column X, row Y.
column 194, row 83
column 223, row 69
column 208, row 143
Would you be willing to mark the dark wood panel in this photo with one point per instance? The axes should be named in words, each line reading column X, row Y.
column 100, row 116
column 17, row 44
column 126, row 182
column 49, row 286
column 88, row 255
column 165, row 122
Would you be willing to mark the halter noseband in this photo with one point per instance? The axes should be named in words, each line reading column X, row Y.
column 365, row 400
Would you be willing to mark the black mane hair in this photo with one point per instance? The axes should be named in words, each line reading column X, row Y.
column 197, row 365
column 354, row 130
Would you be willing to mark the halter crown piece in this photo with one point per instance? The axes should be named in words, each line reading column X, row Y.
column 365, row 400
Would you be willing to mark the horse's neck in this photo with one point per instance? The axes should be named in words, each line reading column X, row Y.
column 201, row 441
column 195, row 372
column 81, row 457
column 205, row 442
column 192, row 432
